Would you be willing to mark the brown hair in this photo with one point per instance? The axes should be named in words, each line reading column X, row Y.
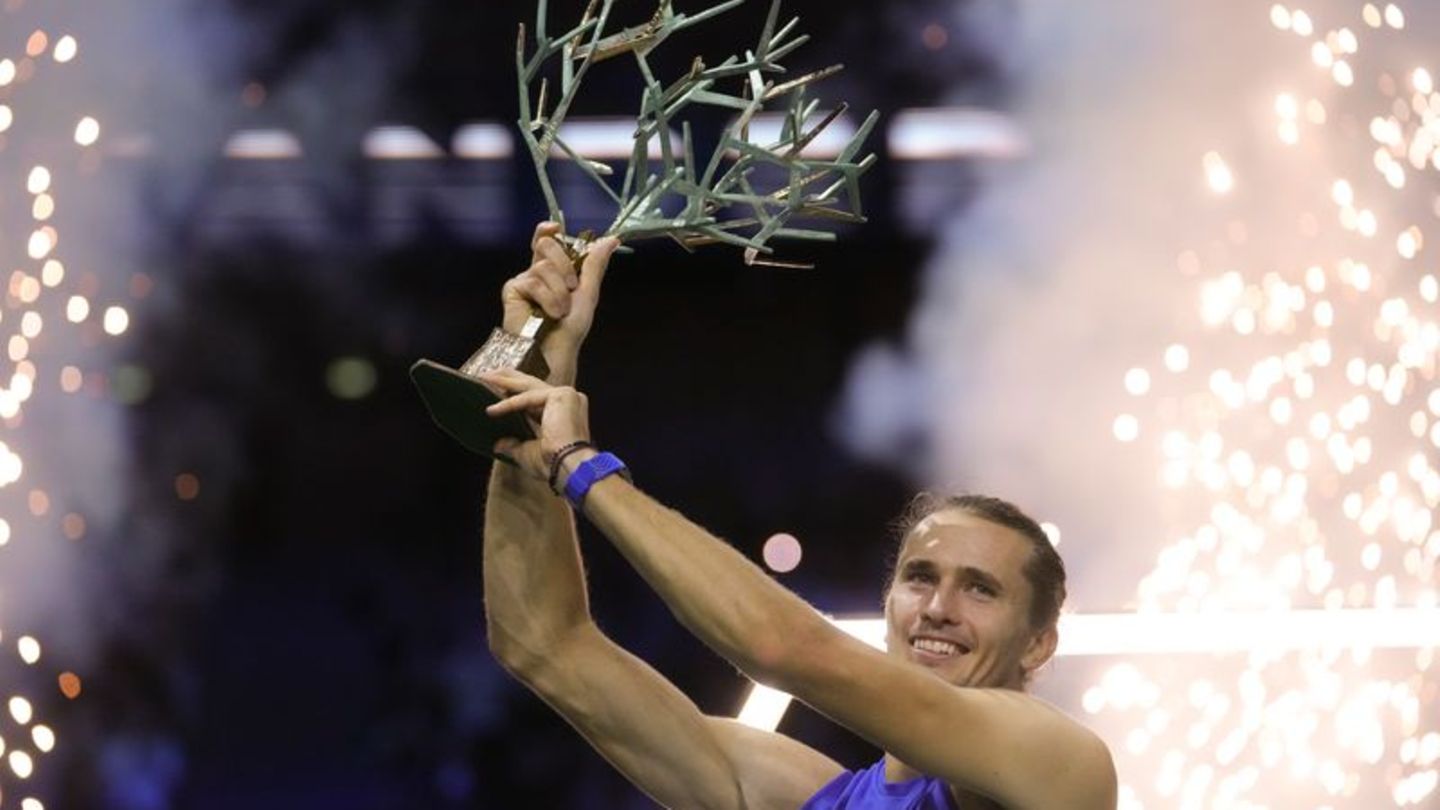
column 1044, row 570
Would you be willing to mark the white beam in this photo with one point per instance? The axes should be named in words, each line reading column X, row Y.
column 1129, row 634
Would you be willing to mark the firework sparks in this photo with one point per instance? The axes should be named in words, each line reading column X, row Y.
column 1296, row 437
column 42, row 157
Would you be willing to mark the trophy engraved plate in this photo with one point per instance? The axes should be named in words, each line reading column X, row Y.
column 692, row 199
column 504, row 351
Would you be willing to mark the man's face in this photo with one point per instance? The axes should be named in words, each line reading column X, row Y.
column 959, row 604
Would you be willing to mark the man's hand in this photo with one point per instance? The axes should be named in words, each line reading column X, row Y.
column 551, row 285
column 560, row 415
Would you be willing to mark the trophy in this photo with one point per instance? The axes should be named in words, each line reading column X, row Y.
column 746, row 194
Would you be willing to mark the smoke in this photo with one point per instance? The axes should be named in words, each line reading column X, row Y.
column 94, row 548
column 78, row 561
column 97, row 562
column 1253, row 183
column 72, row 489
column 1064, row 273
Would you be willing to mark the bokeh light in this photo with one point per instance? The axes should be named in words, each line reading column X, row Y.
column 187, row 486
column 70, row 685
column 782, row 553
column 351, row 378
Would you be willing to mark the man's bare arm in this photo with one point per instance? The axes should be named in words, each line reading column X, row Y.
column 1001, row 744
column 541, row 630
column 1010, row 746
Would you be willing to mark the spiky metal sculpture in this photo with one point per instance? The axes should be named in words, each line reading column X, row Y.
column 720, row 204
column 812, row 187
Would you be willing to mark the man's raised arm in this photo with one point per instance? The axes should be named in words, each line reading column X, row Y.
column 524, row 617
column 539, row 622
column 1002, row 744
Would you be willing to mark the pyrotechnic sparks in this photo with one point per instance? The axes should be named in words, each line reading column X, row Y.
column 43, row 156
column 1302, row 466
column 1218, row 174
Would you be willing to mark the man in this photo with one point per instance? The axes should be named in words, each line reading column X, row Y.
column 946, row 701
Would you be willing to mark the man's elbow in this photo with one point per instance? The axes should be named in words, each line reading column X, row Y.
column 505, row 648
column 518, row 653
column 1095, row 783
column 526, row 655
column 1108, row 789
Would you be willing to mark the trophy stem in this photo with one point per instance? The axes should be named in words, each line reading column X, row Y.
column 504, row 350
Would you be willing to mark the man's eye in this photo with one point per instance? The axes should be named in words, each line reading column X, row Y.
column 982, row 589
column 920, row 576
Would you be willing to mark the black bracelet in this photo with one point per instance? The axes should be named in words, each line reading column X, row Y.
column 560, row 456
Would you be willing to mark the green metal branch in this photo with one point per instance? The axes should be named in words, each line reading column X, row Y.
column 643, row 198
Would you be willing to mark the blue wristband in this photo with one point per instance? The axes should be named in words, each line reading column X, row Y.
column 590, row 471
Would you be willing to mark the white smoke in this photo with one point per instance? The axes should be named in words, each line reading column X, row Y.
column 1094, row 254
column 1063, row 274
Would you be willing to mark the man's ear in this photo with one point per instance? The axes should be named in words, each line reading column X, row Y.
column 1041, row 649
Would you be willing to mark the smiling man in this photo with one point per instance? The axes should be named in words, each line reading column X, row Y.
column 970, row 612
column 1010, row 582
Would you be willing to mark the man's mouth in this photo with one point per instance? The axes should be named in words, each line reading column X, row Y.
column 937, row 647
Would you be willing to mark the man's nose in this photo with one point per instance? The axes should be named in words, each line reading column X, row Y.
column 942, row 607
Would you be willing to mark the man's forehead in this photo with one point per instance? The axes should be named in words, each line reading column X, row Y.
column 948, row 517
column 956, row 529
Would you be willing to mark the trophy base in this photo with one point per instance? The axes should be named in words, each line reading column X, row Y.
column 457, row 404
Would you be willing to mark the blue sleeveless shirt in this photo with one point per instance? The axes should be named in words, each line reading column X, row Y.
column 868, row 790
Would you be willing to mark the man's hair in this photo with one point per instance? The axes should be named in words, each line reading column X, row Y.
column 1044, row 569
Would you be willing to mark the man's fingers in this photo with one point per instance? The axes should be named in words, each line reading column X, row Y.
column 518, row 377
column 554, row 279
column 597, row 261
column 556, row 256
column 543, row 230
column 513, row 381
column 533, row 288
column 522, row 402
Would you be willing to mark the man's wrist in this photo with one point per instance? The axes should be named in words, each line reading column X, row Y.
column 518, row 482
column 590, row 471
column 563, row 370
column 570, row 462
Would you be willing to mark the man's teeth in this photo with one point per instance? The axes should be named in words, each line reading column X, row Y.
column 936, row 646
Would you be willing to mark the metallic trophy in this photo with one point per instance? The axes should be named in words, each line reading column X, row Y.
column 724, row 201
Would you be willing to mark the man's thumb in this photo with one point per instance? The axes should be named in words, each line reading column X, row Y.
column 597, row 262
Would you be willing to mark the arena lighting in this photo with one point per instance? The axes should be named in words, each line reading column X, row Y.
column 765, row 130
column 606, row 138
column 915, row 134
column 483, row 141
column 400, row 143
column 953, row 133
column 1176, row 633
column 263, row 144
